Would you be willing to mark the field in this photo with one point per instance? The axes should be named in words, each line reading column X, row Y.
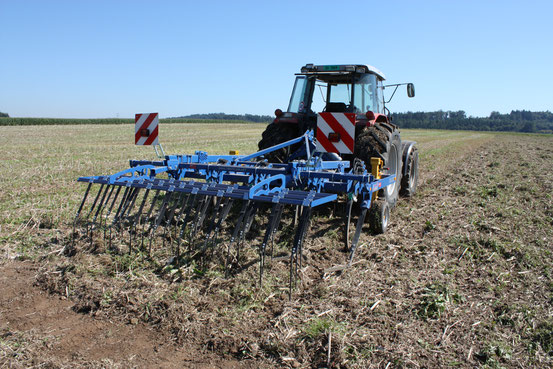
column 463, row 277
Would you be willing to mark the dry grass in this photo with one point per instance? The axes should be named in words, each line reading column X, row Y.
column 462, row 278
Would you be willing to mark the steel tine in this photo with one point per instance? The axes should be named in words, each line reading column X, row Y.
column 357, row 234
column 116, row 216
column 110, row 209
column 95, row 201
column 268, row 233
column 297, row 246
column 120, row 207
column 130, row 203
column 179, row 201
column 306, row 218
column 250, row 218
column 99, row 210
column 83, row 201
column 169, row 219
column 347, row 220
column 91, row 223
column 200, row 216
column 137, row 218
column 187, row 215
column 160, row 216
column 79, row 213
column 148, row 214
column 224, row 213
column 235, row 233
column 252, row 206
column 212, row 223
column 127, row 212
column 275, row 229
column 106, row 204
column 102, row 203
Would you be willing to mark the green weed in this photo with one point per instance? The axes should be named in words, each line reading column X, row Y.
column 434, row 300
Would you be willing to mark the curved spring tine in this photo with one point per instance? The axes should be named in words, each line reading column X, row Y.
column 160, row 217
column 357, row 234
column 120, row 207
column 224, row 213
column 137, row 218
column 347, row 220
column 235, row 233
column 200, row 216
column 268, row 233
column 83, row 201
column 277, row 222
column 110, row 209
column 216, row 210
column 169, row 218
column 148, row 214
column 79, row 213
column 186, row 215
column 95, row 201
column 130, row 204
column 297, row 248
column 248, row 220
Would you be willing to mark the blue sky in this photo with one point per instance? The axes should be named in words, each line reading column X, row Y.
column 88, row 59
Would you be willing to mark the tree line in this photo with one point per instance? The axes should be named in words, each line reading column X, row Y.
column 222, row 116
column 515, row 121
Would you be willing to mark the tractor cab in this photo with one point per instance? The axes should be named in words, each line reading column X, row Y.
column 336, row 89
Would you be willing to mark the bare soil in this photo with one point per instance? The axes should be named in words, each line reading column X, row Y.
column 462, row 278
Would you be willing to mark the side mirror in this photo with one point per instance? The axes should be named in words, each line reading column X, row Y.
column 410, row 90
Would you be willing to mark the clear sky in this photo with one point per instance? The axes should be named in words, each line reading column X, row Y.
column 92, row 59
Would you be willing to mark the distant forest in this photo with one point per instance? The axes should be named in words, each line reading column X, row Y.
column 515, row 121
column 223, row 116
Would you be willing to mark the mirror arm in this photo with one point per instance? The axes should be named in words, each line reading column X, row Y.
column 393, row 93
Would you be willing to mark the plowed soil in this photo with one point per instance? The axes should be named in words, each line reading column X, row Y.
column 462, row 278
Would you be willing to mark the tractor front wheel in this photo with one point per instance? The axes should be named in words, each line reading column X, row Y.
column 411, row 174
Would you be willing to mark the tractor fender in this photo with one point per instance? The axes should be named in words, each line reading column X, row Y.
column 406, row 148
column 381, row 118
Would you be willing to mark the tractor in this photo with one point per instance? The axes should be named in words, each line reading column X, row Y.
column 349, row 152
column 358, row 91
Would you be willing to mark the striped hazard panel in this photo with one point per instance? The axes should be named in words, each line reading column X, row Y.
column 145, row 129
column 336, row 132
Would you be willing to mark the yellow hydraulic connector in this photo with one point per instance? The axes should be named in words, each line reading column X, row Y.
column 376, row 167
column 234, row 152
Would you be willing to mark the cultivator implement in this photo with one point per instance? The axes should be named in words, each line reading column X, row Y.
column 188, row 201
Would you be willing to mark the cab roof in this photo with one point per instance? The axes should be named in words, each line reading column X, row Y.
column 340, row 69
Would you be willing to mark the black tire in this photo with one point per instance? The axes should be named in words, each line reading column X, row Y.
column 379, row 215
column 411, row 174
column 382, row 140
column 277, row 133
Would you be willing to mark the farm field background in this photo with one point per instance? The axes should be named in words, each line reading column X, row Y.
column 462, row 278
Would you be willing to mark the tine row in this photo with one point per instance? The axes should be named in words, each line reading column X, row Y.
column 133, row 213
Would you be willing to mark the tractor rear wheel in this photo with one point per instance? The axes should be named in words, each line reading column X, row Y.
column 411, row 174
column 277, row 133
column 383, row 141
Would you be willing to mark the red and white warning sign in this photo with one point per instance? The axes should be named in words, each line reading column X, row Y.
column 145, row 129
column 336, row 132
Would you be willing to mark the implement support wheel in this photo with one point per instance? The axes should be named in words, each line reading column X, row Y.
column 379, row 214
